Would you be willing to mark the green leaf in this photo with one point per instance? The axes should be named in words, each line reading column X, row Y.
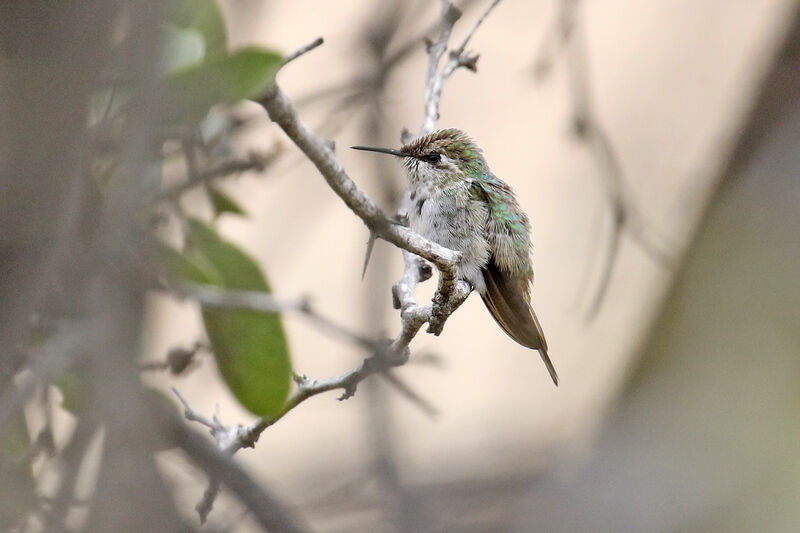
column 250, row 348
column 182, row 47
column 204, row 17
column 222, row 203
column 244, row 74
column 196, row 268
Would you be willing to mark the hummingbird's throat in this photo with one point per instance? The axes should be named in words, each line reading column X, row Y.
column 424, row 175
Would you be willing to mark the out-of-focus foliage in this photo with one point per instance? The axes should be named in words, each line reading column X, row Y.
column 204, row 18
column 73, row 391
column 16, row 472
column 250, row 348
column 224, row 203
column 197, row 72
column 243, row 74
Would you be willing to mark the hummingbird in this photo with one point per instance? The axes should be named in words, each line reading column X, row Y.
column 458, row 203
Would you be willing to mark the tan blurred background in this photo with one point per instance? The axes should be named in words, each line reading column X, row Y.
column 671, row 83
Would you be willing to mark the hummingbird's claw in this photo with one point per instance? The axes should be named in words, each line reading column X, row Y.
column 400, row 219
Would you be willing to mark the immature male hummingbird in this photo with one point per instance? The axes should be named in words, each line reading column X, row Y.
column 457, row 202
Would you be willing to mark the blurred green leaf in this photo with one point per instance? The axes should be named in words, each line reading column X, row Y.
column 73, row 392
column 196, row 268
column 223, row 203
column 250, row 348
column 204, row 17
column 182, row 47
column 244, row 74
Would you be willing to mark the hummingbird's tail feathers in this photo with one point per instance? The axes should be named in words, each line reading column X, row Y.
column 550, row 368
column 504, row 297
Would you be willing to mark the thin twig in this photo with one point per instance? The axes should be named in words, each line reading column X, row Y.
column 434, row 81
column 436, row 77
column 233, row 438
column 270, row 512
column 254, row 161
column 303, row 50
column 221, row 298
column 410, row 394
column 460, row 49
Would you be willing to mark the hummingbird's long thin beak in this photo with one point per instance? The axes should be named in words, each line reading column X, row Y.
column 390, row 151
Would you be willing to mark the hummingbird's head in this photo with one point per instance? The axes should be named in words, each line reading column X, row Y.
column 443, row 155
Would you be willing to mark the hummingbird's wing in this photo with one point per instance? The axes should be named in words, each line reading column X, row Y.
column 505, row 299
column 508, row 275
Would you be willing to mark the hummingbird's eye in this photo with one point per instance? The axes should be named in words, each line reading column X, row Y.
column 433, row 157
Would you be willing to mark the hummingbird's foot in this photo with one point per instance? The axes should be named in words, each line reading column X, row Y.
column 443, row 309
column 399, row 218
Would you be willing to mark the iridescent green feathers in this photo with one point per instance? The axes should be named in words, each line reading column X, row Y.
column 508, row 227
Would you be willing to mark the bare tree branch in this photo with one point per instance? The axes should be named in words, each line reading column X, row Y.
column 232, row 438
column 321, row 153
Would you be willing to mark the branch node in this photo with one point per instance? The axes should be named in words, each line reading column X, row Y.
column 349, row 392
column 470, row 62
